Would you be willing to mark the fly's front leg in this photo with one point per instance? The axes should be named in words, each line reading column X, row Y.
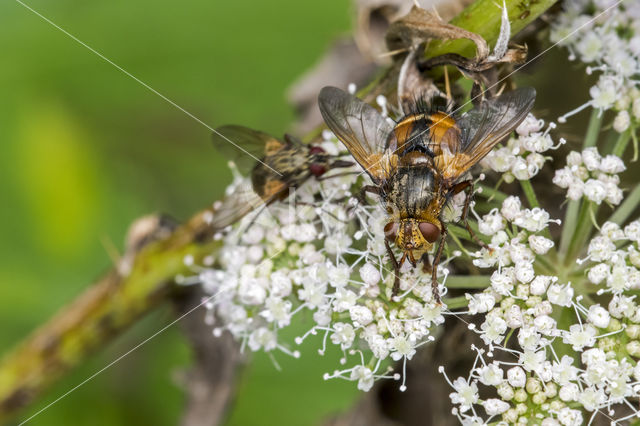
column 361, row 195
column 434, row 268
column 396, row 270
column 465, row 213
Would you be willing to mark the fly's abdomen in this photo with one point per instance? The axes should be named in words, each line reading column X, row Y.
column 410, row 191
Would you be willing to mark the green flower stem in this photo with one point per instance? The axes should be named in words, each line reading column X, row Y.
column 630, row 204
column 569, row 226
column 622, row 142
column 593, row 129
column 455, row 235
column 456, row 302
column 529, row 193
column 459, row 231
column 634, row 136
column 570, row 222
column 582, row 232
column 467, row 281
column 492, row 193
column 544, row 266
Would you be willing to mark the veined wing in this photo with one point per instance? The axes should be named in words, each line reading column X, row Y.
column 244, row 146
column 361, row 128
column 480, row 129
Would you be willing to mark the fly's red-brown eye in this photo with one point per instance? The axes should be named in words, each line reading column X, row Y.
column 429, row 231
column 391, row 231
column 317, row 169
column 316, row 150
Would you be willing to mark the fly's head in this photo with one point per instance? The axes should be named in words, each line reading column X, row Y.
column 318, row 161
column 412, row 236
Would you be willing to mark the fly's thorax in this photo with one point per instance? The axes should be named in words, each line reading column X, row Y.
column 292, row 163
column 409, row 192
column 275, row 173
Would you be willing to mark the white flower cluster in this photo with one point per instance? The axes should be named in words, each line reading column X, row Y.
column 590, row 175
column 539, row 391
column 614, row 258
column 527, row 300
column 606, row 35
column 515, row 288
column 306, row 256
column 522, row 157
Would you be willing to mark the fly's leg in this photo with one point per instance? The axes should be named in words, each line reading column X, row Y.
column 436, row 262
column 465, row 213
column 362, row 194
column 396, row 270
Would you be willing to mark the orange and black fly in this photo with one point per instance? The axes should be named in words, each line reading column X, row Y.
column 421, row 162
column 282, row 165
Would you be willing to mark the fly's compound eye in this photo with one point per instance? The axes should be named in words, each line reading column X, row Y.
column 391, row 231
column 316, row 150
column 317, row 169
column 429, row 231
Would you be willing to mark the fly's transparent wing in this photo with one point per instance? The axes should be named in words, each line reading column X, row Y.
column 361, row 128
column 236, row 205
column 244, row 146
column 482, row 128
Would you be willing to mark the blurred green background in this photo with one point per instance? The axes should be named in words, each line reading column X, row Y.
column 86, row 149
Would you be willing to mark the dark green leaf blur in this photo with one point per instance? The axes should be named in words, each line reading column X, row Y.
column 86, row 149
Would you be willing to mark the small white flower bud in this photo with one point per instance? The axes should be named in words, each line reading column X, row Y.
column 598, row 273
column 507, row 393
column 563, row 177
column 599, row 316
column 494, row 406
column 369, row 274
column 612, row 164
column 560, row 295
column 591, row 158
column 511, row 208
column 516, row 377
column 622, row 121
column 539, row 398
column 569, row 392
column 633, row 347
column 529, row 125
column 633, row 331
column 540, row 244
column 539, row 285
column 574, row 159
column 520, row 395
column 595, row 190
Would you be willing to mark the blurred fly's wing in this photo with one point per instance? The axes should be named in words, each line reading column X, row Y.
column 244, row 146
column 243, row 200
column 481, row 128
column 362, row 130
column 234, row 206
